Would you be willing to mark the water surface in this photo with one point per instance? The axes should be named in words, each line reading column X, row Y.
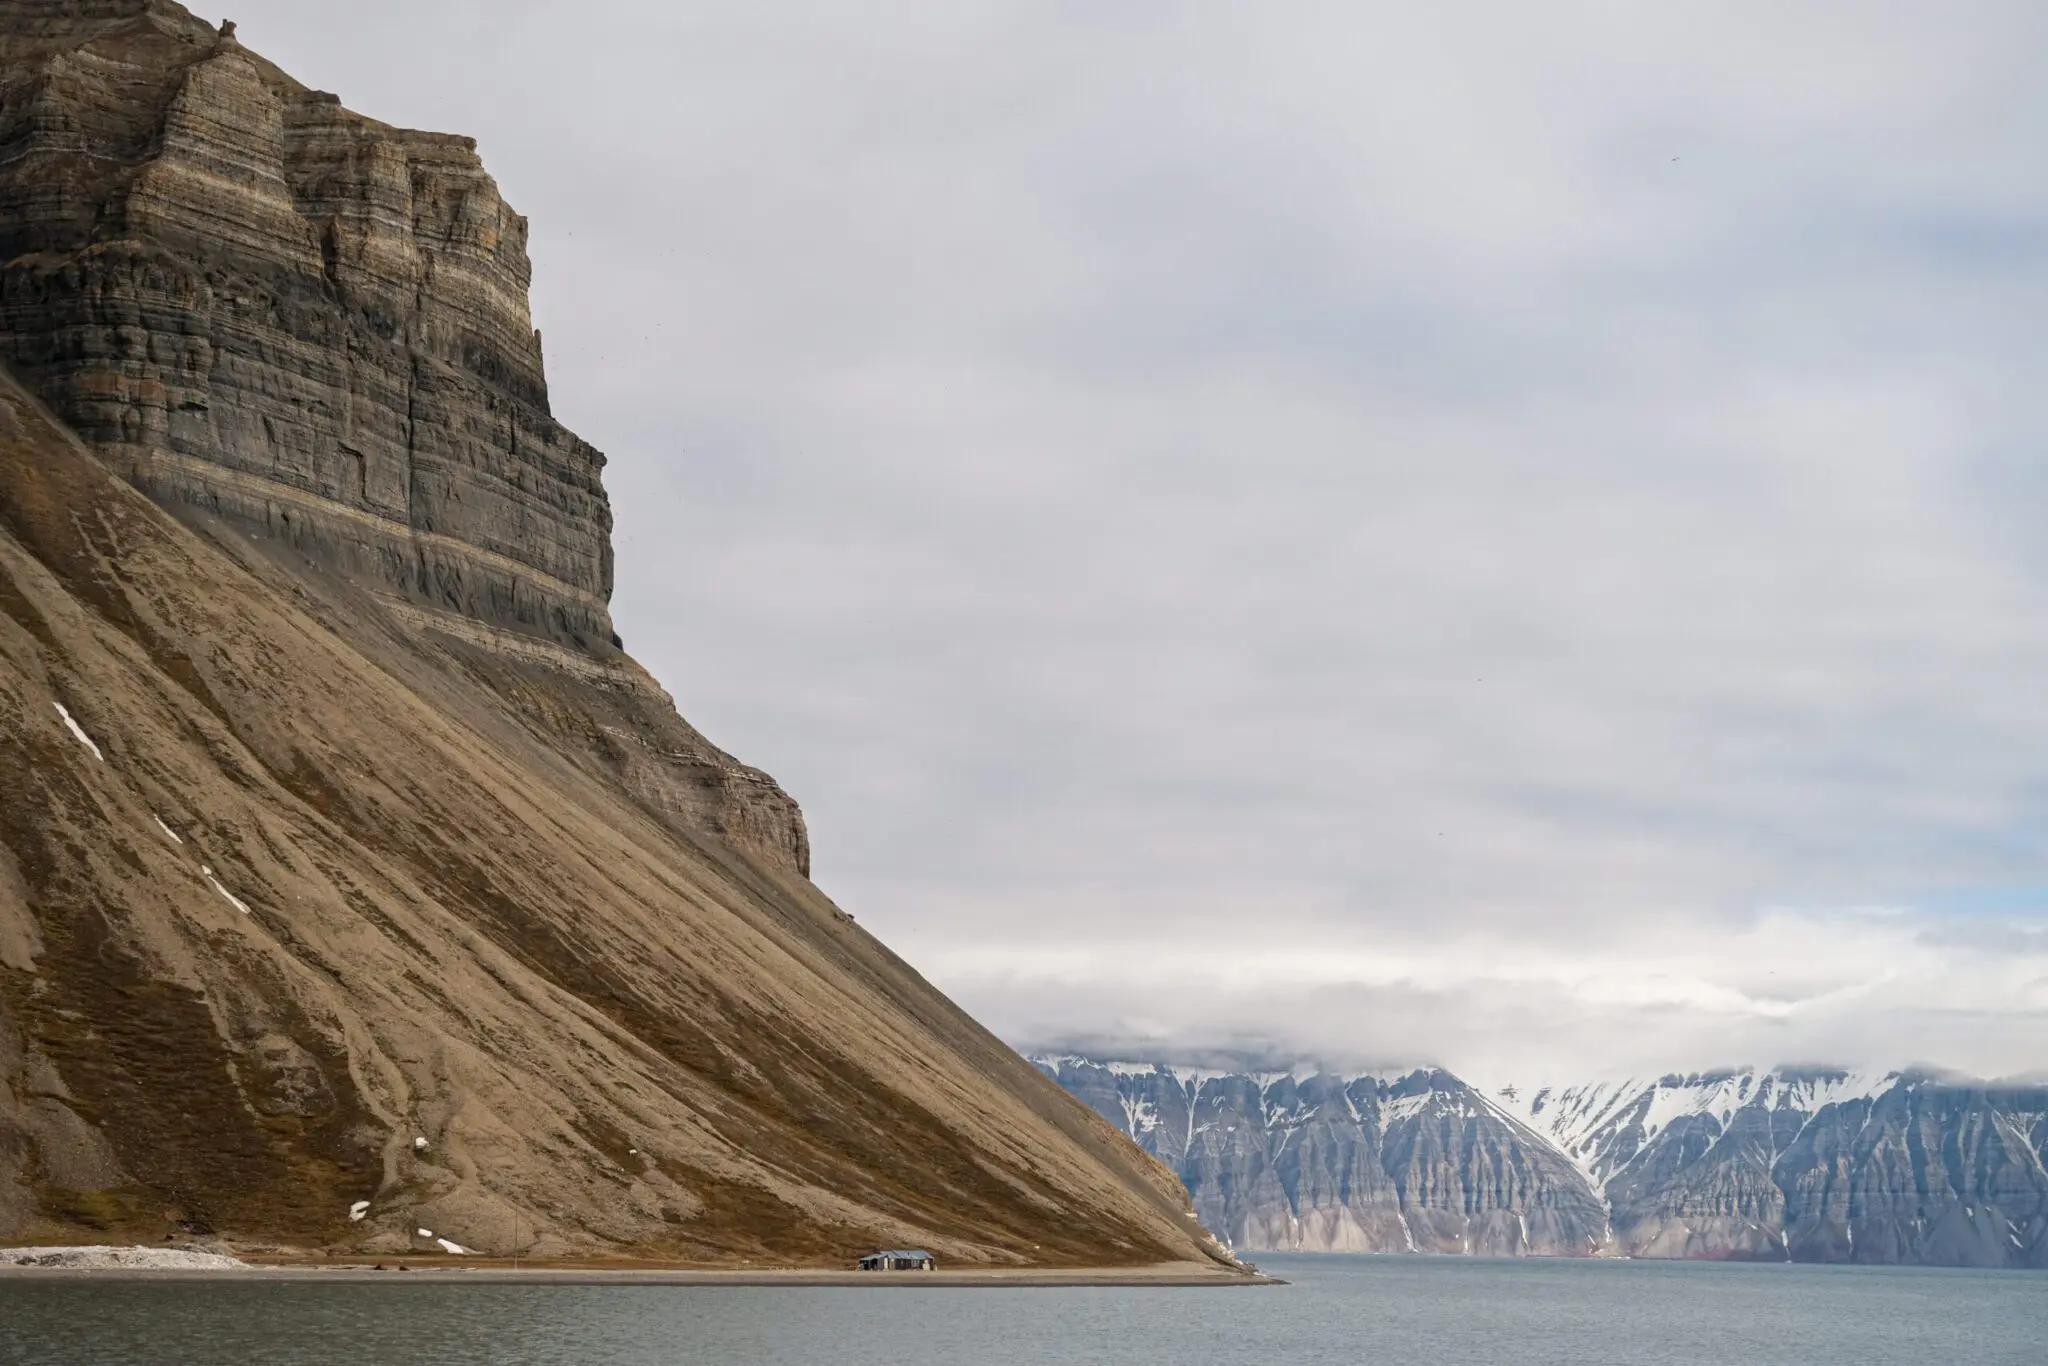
column 1337, row 1310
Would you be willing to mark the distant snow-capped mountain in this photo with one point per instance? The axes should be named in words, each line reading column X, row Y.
column 1389, row 1162
column 1808, row 1164
column 1602, row 1126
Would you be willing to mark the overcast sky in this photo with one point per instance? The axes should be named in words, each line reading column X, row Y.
column 1513, row 535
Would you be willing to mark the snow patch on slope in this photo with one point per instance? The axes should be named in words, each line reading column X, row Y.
column 78, row 732
column 233, row 900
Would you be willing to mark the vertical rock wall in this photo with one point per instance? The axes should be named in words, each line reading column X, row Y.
column 256, row 301
column 260, row 306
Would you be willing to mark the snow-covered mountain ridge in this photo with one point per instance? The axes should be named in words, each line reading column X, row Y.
column 1785, row 1163
column 1601, row 1126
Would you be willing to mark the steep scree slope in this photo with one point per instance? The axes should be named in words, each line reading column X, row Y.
column 337, row 904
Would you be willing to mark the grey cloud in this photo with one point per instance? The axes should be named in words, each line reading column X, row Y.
column 1495, row 1032
column 1210, row 474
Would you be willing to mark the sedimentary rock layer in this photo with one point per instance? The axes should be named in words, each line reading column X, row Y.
column 260, row 307
column 254, row 300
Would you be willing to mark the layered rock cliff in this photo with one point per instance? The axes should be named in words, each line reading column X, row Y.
column 1800, row 1164
column 352, row 882
column 261, row 307
column 252, row 299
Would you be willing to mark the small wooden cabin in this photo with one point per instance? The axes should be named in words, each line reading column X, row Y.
column 897, row 1260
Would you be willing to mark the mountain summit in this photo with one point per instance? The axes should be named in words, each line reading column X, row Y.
column 357, row 892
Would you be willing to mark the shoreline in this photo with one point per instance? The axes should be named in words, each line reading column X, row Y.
column 438, row 1272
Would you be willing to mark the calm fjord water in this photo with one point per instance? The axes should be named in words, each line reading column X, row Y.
column 1338, row 1309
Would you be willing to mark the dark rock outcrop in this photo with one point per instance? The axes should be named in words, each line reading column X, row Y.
column 263, row 308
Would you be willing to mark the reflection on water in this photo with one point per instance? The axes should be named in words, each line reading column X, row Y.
column 1338, row 1309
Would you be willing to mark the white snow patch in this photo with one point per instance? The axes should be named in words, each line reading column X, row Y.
column 119, row 1258
column 78, row 732
column 419, row 1145
column 166, row 829
column 1720, row 1098
column 456, row 1249
column 233, row 900
column 1573, row 1119
column 1852, row 1085
column 424, row 1232
column 1132, row 1069
column 1406, row 1107
column 358, row 1211
column 1058, row 1060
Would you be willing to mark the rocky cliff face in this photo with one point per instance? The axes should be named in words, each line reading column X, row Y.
column 263, row 308
column 1414, row 1162
column 352, row 883
column 1803, row 1164
column 1810, row 1164
column 252, row 299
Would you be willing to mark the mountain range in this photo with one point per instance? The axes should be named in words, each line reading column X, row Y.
column 1799, row 1164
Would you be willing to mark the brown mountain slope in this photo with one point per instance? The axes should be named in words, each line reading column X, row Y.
column 377, row 912
column 375, row 880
